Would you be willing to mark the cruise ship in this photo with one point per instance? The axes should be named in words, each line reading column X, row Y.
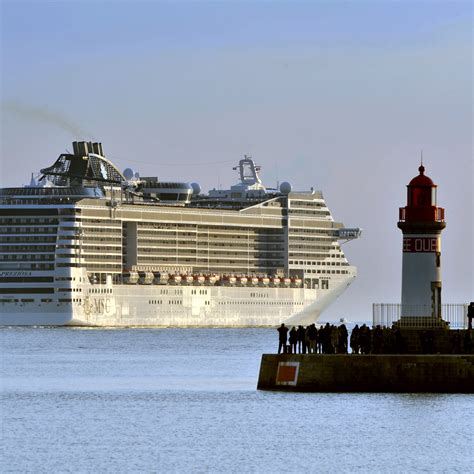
column 89, row 245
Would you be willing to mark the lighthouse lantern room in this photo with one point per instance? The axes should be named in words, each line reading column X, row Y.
column 421, row 222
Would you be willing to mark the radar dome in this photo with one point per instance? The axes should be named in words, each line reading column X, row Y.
column 137, row 175
column 196, row 188
column 128, row 173
column 285, row 187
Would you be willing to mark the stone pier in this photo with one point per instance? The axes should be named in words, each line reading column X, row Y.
column 437, row 373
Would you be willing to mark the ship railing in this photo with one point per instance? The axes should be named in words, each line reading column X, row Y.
column 452, row 315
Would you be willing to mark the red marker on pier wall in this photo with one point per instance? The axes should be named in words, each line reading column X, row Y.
column 421, row 222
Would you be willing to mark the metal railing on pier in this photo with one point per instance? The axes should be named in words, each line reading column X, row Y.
column 387, row 314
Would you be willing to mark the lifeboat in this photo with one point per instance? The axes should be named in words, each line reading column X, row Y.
column 160, row 278
column 265, row 281
column 130, row 278
column 211, row 279
column 276, row 281
column 145, row 278
column 297, row 281
column 254, row 281
column 176, row 279
column 189, row 279
column 200, row 279
column 232, row 280
column 243, row 280
column 287, row 281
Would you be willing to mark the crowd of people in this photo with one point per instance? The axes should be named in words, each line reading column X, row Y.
column 328, row 339
column 378, row 340
column 331, row 339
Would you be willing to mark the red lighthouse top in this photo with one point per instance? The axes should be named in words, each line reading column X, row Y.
column 422, row 179
column 421, row 201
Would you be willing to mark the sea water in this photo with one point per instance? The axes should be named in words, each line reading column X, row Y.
column 185, row 400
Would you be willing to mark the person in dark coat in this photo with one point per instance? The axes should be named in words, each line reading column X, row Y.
column 319, row 340
column 293, row 340
column 468, row 342
column 470, row 315
column 301, row 340
column 326, row 337
column 342, row 340
column 455, row 342
column 365, row 339
column 399, row 341
column 355, row 339
column 377, row 340
column 282, row 337
column 312, row 336
column 387, row 340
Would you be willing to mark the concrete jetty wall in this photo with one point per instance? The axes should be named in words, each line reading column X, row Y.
column 367, row 373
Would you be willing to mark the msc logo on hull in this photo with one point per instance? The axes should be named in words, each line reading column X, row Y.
column 97, row 306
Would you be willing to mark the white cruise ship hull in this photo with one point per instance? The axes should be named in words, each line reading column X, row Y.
column 173, row 306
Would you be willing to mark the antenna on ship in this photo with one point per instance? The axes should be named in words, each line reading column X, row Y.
column 276, row 173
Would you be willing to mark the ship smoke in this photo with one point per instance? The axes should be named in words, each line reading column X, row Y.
column 42, row 114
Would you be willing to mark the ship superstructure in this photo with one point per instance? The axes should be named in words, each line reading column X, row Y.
column 92, row 246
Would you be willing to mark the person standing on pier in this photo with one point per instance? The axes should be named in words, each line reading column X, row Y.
column 355, row 339
column 364, row 339
column 470, row 315
column 319, row 341
column 301, row 340
column 342, row 341
column 293, row 339
column 282, row 337
column 312, row 336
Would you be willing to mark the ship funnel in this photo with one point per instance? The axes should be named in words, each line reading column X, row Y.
column 84, row 148
column 97, row 148
column 80, row 148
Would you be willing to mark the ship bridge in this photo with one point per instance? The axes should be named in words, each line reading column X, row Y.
column 347, row 234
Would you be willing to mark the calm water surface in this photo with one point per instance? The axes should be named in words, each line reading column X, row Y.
column 184, row 400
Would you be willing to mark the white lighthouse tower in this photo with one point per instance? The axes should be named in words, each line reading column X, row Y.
column 421, row 222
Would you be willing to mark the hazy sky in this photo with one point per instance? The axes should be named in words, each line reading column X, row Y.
column 337, row 95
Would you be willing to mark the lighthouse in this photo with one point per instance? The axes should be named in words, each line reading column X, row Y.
column 421, row 222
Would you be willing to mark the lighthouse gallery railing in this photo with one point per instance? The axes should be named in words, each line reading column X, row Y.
column 385, row 314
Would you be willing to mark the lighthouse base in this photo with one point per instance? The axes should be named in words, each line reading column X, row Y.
column 421, row 322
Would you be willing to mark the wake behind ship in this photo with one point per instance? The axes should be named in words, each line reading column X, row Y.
column 88, row 245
